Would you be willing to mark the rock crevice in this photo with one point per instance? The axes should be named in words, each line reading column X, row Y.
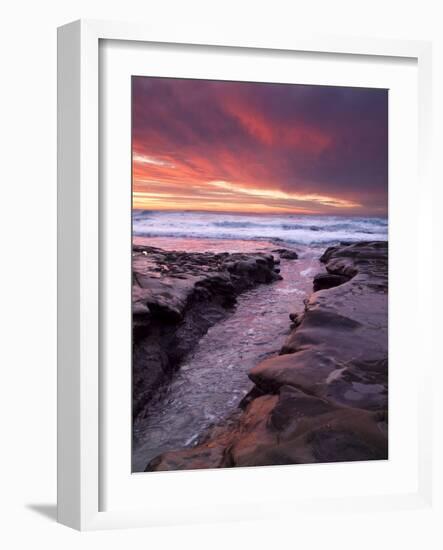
column 325, row 397
column 176, row 297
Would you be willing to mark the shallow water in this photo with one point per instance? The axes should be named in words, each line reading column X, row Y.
column 213, row 379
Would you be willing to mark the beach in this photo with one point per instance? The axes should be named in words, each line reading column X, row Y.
column 235, row 340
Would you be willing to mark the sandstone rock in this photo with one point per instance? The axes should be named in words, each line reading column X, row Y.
column 328, row 280
column 298, row 428
column 324, row 399
column 339, row 350
column 291, row 428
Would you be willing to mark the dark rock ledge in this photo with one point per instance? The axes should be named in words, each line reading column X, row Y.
column 176, row 297
column 325, row 397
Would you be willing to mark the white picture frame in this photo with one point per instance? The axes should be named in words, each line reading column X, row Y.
column 80, row 445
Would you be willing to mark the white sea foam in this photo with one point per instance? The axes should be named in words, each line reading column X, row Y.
column 296, row 229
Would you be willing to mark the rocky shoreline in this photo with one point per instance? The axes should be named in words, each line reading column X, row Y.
column 177, row 297
column 324, row 398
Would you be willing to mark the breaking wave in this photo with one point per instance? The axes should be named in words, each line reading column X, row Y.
column 293, row 229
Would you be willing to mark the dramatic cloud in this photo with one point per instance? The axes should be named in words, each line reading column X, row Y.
column 234, row 146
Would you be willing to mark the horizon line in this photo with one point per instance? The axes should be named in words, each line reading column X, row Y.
column 252, row 213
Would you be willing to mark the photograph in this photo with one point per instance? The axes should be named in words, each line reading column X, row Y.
column 259, row 274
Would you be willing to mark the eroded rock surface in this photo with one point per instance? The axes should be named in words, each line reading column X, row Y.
column 325, row 397
column 286, row 254
column 176, row 297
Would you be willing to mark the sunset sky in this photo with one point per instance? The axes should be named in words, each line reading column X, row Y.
column 252, row 147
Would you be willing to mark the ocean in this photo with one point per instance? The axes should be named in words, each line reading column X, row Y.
column 293, row 229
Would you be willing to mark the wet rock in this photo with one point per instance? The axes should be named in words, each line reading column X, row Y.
column 176, row 297
column 250, row 396
column 325, row 397
column 286, row 253
column 339, row 350
column 296, row 319
column 192, row 459
column 298, row 428
column 293, row 405
column 290, row 428
column 328, row 280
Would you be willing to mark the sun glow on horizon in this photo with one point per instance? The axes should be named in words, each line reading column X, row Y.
column 220, row 195
column 276, row 194
column 168, row 202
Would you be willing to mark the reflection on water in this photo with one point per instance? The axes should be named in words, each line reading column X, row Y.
column 213, row 379
column 190, row 244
